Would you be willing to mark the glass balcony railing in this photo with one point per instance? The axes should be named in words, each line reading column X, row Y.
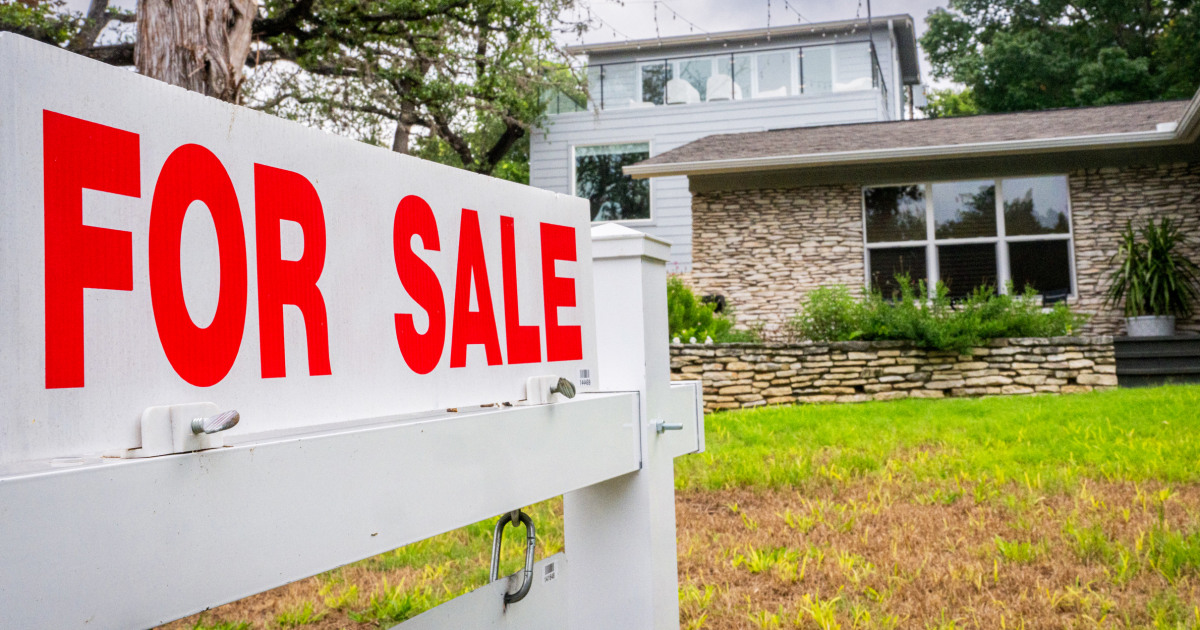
column 730, row 77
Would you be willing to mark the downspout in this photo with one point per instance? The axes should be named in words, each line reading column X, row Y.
column 874, row 61
column 893, row 58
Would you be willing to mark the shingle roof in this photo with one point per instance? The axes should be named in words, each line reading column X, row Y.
column 938, row 132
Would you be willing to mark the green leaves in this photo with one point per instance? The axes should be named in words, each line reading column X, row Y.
column 688, row 317
column 1151, row 277
column 832, row 314
column 1114, row 78
column 829, row 314
column 1016, row 55
column 947, row 103
column 456, row 81
column 44, row 20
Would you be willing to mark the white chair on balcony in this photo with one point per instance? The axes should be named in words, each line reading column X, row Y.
column 861, row 83
column 680, row 92
column 722, row 88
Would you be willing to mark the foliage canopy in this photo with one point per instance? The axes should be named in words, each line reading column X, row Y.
column 457, row 81
column 1015, row 55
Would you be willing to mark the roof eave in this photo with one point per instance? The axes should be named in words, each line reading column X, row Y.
column 846, row 158
column 1188, row 128
column 910, row 56
column 732, row 36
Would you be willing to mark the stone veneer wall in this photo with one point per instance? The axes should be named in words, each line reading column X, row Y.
column 749, row 375
column 763, row 249
column 1103, row 201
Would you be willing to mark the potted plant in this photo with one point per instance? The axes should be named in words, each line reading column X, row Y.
column 1156, row 282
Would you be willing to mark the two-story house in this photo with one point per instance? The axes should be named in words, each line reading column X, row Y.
column 647, row 97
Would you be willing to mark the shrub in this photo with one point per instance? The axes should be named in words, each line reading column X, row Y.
column 1151, row 276
column 688, row 317
column 829, row 314
column 937, row 322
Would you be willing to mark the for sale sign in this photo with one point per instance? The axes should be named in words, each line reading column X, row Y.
column 158, row 247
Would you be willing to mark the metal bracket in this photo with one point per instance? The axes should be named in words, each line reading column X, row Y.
column 541, row 390
column 661, row 426
column 182, row 429
column 530, row 543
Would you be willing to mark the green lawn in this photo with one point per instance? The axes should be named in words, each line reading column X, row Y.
column 1077, row 511
column 1125, row 434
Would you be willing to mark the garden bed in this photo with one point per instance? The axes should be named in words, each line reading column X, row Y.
column 740, row 375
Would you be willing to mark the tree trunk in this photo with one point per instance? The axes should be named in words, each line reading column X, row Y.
column 200, row 45
column 404, row 128
column 400, row 140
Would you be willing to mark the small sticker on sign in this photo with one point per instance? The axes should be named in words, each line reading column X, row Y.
column 585, row 377
column 548, row 572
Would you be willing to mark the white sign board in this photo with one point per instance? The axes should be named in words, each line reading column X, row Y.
column 158, row 247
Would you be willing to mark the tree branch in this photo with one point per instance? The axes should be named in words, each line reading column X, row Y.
column 114, row 55
column 441, row 128
column 94, row 23
column 512, row 133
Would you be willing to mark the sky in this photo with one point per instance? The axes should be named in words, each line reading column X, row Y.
column 635, row 19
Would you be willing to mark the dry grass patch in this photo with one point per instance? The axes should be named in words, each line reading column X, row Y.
column 878, row 555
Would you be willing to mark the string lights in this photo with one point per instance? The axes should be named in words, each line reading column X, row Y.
column 692, row 26
column 799, row 16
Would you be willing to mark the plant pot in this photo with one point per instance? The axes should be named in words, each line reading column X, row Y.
column 1150, row 326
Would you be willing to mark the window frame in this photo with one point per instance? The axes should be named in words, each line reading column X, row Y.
column 1000, row 240
column 649, row 182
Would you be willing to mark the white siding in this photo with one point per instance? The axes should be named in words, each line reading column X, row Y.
column 666, row 128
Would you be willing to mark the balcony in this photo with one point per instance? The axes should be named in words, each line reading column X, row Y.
column 756, row 74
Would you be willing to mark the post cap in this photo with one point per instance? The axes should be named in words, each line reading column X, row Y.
column 611, row 240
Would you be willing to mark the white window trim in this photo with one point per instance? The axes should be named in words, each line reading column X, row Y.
column 650, row 182
column 1001, row 240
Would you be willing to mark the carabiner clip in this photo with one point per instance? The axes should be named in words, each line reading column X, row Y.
column 530, row 542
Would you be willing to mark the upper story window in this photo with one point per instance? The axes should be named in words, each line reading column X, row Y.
column 614, row 195
column 735, row 76
column 971, row 233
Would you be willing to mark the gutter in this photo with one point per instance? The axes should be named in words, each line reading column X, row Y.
column 1188, row 129
column 730, row 36
column 1190, row 124
column 1185, row 131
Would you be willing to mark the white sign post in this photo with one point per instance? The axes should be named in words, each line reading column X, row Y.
column 166, row 259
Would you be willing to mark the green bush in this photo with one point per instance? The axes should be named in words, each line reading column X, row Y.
column 688, row 317
column 939, row 323
column 829, row 314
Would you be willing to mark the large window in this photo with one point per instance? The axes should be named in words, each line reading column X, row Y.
column 614, row 195
column 969, row 234
column 733, row 76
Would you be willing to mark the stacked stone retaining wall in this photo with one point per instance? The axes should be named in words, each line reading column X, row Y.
column 749, row 375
